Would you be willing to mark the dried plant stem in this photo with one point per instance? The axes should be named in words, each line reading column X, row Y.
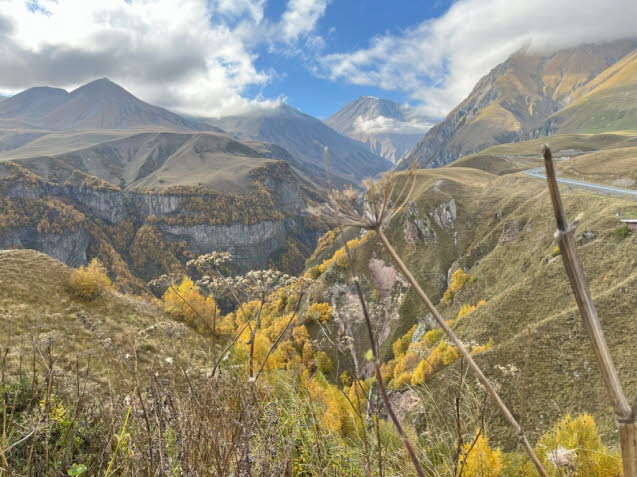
column 120, row 438
column 464, row 352
column 379, row 377
column 257, row 325
column 230, row 345
column 565, row 234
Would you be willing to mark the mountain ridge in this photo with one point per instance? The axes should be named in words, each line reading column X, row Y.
column 305, row 138
column 515, row 99
column 388, row 128
column 99, row 104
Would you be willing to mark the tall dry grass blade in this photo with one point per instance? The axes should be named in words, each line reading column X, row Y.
column 566, row 240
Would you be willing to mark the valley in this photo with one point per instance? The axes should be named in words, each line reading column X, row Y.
column 263, row 292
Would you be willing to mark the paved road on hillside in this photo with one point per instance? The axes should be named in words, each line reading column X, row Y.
column 604, row 189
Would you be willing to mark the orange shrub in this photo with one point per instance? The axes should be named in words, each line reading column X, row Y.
column 322, row 312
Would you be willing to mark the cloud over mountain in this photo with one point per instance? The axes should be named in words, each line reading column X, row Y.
column 385, row 125
column 438, row 61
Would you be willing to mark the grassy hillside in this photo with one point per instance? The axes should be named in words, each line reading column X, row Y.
column 110, row 334
column 582, row 149
column 605, row 104
column 613, row 166
column 501, row 235
column 515, row 99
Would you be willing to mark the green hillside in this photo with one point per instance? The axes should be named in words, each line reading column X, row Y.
column 606, row 104
column 500, row 232
column 38, row 312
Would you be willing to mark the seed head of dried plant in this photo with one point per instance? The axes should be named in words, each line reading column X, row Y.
column 371, row 208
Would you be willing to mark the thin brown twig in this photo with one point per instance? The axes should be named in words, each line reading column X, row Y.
column 379, row 377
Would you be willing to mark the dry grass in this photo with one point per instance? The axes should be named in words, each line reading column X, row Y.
column 35, row 306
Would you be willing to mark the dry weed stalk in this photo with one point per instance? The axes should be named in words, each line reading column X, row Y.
column 379, row 205
column 565, row 234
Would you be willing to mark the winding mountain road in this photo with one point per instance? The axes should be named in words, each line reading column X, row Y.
column 539, row 174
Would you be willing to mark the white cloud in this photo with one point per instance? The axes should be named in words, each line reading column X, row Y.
column 195, row 56
column 439, row 61
column 385, row 125
column 300, row 17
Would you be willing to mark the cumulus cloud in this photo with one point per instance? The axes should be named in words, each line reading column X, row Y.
column 195, row 56
column 439, row 61
column 300, row 17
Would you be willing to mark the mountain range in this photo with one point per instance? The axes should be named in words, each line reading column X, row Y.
column 388, row 128
column 305, row 138
column 100, row 104
column 97, row 171
column 588, row 88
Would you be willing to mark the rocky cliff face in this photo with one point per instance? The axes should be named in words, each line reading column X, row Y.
column 251, row 245
column 68, row 247
column 78, row 219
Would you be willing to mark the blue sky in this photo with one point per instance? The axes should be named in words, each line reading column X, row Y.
column 346, row 26
column 225, row 57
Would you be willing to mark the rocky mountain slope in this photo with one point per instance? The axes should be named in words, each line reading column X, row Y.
column 305, row 137
column 517, row 99
column 607, row 103
column 388, row 128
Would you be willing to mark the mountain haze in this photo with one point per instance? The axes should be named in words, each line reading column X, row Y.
column 388, row 128
column 515, row 99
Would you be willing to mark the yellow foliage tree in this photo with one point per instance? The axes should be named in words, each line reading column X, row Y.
column 340, row 256
column 401, row 381
column 408, row 362
column 480, row 460
column 88, row 282
column 433, row 336
column 443, row 354
column 186, row 303
column 323, row 362
column 465, row 310
column 574, row 445
column 322, row 312
column 458, row 280
column 401, row 345
column 423, row 370
column 338, row 415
